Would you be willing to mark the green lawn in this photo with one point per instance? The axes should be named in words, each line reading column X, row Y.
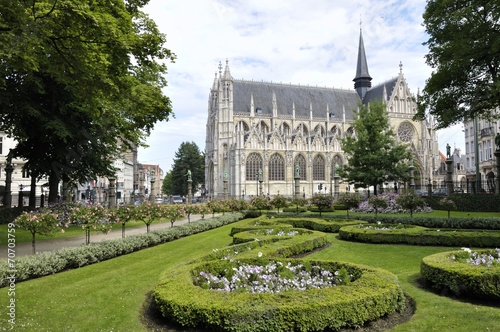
column 108, row 296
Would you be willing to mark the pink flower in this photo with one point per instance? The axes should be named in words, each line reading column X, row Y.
column 62, row 230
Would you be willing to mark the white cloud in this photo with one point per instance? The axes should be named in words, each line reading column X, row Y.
column 308, row 42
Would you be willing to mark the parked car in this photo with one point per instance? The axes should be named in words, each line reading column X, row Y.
column 458, row 190
column 177, row 199
column 439, row 192
column 422, row 192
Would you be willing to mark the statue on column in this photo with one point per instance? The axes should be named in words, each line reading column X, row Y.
column 297, row 171
column 497, row 141
column 189, row 174
column 448, row 150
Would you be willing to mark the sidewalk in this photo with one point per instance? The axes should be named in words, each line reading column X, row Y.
column 23, row 249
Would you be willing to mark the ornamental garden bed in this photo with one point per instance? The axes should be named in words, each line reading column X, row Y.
column 466, row 272
column 252, row 286
column 201, row 295
column 417, row 235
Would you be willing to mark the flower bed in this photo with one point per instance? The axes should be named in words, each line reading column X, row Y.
column 417, row 235
column 466, row 272
column 251, row 286
column 372, row 293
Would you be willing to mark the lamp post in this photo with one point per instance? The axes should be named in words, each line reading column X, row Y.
column 20, row 200
column 42, row 198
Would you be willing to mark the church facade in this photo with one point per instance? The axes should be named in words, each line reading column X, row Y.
column 257, row 132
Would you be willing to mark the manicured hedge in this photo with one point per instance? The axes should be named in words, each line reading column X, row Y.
column 34, row 266
column 8, row 215
column 316, row 209
column 469, row 202
column 416, row 235
column 431, row 222
column 461, row 278
column 375, row 293
column 295, row 209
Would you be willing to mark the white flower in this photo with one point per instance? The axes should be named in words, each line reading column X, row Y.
column 466, row 249
column 259, row 254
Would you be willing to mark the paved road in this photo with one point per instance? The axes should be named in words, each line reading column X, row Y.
column 23, row 249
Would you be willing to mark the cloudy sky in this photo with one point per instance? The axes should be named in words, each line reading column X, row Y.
column 311, row 42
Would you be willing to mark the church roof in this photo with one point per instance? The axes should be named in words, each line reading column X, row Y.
column 303, row 97
column 377, row 92
column 362, row 65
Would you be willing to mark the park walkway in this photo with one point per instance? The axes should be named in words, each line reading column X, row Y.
column 23, row 249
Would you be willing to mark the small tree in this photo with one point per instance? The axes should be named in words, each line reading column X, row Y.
column 148, row 213
column 278, row 201
column 409, row 200
column 299, row 202
column 378, row 201
column 190, row 209
column 41, row 222
column 350, row 201
column 322, row 202
column 122, row 214
column 447, row 204
column 260, row 203
column 175, row 212
column 90, row 217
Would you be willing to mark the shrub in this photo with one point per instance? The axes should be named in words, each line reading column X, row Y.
column 30, row 267
column 323, row 202
column 349, row 200
column 417, row 235
column 443, row 271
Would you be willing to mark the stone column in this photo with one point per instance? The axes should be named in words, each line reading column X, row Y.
column 297, row 186
column 190, row 190
column 225, row 188
column 449, row 176
column 412, row 176
column 7, row 198
column 152, row 192
column 336, row 180
column 497, row 181
column 112, row 193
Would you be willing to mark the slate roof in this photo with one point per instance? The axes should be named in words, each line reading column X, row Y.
column 377, row 92
column 286, row 95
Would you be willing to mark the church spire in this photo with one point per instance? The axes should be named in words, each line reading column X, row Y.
column 227, row 73
column 362, row 81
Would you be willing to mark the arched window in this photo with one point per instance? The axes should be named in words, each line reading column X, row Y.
column 276, row 168
column 301, row 161
column 318, row 168
column 253, row 165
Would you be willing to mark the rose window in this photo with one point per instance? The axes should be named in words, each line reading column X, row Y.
column 405, row 132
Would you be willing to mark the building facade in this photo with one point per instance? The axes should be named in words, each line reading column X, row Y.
column 257, row 132
column 479, row 150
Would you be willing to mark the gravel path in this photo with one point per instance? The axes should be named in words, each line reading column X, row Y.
column 23, row 249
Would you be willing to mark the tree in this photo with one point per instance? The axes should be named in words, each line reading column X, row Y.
column 188, row 157
column 166, row 187
column 465, row 54
column 350, row 200
column 87, row 74
column 410, row 200
column 373, row 154
column 37, row 222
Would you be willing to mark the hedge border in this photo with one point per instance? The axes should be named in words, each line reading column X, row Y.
column 461, row 278
column 417, row 235
column 51, row 262
column 375, row 294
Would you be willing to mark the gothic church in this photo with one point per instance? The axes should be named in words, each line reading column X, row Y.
column 257, row 132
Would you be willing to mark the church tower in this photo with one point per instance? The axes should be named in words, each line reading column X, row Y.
column 362, row 81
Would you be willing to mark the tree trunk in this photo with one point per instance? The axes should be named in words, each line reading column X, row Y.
column 33, row 251
column 53, row 187
column 32, row 201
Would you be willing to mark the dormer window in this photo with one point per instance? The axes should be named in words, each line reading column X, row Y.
column 331, row 115
column 258, row 110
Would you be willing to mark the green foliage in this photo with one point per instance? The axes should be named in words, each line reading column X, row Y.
column 30, row 267
column 322, row 202
column 81, row 87
column 350, row 201
column 260, row 203
column 38, row 222
column 278, row 202
column 434, row 222
column 378, row 202
column 465, row 55
column 468, row 202
column 166, row 186
column 373, row 154
column 187, row 157
column 443, row 272
column 409, row 200
column 182, row 298
column 7, row 215
column 417, row 235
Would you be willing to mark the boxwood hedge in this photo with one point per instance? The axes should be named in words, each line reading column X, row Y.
column 461, row 278
column 373, row 293
column 34, row 266
column 417, row 235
